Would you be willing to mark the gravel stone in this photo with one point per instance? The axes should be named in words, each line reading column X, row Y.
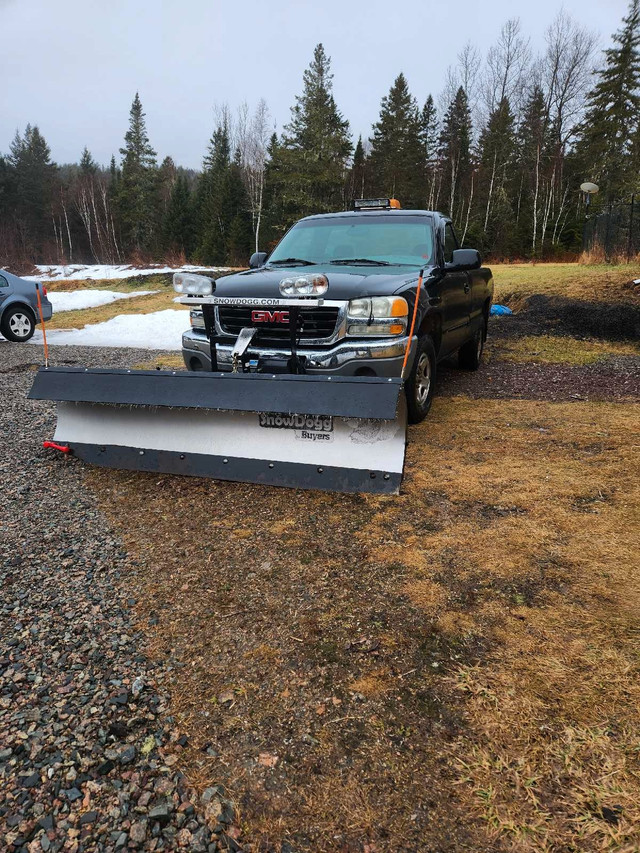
column 88, row 817
column 78, row 698
column 127, row 755
column 73, row 794
column 138, row 831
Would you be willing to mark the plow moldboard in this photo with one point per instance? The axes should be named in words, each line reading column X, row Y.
column 360, row 453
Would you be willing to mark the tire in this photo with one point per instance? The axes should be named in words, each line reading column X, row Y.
column 18, row 324
column 421, row 380
column 470, row 354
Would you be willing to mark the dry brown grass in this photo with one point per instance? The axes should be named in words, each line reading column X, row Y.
column 556, row 349
column 544, row 562
column 168, row 361
column 456, row 668
column 123, row 285
column 594, row 283
column 597, row 255
column 138, row 305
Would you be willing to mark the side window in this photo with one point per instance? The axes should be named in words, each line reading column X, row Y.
column 450, row 242
column 3, row 281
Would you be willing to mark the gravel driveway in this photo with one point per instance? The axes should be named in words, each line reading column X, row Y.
column 88, row 753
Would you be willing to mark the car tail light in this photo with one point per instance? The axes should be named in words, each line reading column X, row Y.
column 44, row 290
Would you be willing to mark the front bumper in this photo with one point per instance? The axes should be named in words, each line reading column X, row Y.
column 375, row 357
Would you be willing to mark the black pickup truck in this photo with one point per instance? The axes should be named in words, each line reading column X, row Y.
column 336, row 296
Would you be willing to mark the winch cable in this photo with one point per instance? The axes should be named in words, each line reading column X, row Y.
column 413, row 324
column 44, row 331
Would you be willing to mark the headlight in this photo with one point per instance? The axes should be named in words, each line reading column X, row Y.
column 377, row 315
column 304, row 285
column 196, row 285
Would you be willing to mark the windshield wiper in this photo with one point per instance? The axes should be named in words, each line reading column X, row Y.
column 369, row 261
column 300, row 261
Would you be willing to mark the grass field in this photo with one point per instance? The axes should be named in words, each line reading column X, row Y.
column 597, row 283
column 453, row 669
column 557, row 349
column 159, row 301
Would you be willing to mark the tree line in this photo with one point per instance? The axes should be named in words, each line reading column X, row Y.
column 503, row 150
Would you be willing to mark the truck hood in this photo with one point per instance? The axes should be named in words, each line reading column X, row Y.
column 344, row 282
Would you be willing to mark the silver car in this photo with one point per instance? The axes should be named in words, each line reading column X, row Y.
column 19, row 307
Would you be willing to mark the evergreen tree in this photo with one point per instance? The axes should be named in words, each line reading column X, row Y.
column 358, row 172
column 224, row 217
column 612, row 121
column 34, row 176
column 315, row 147
column 429, row 136
column 397, row 151
column 497, row 151
column 239, row 235
column 178, row 226
column 274, row 223
column 429, row 129
column 88, row 165
column 212, row 218
column 533, row 143
column 455, row 157
column 137, row 196
column 166, row 181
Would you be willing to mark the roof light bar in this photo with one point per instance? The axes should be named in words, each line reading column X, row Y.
column 376, row 204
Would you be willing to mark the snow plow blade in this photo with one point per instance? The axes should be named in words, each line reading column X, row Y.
column 344, row 434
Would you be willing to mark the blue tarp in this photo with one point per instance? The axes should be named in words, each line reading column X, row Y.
column 500, row 310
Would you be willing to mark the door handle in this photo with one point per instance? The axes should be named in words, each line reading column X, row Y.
column 467, row 288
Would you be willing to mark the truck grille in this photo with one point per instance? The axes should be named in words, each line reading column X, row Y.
column 318, row 323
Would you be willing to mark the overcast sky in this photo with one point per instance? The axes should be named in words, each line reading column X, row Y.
column 73, row 66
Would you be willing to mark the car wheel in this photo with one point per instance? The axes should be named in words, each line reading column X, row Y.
column 421, row 380
column 470, row 354
column 18, row 324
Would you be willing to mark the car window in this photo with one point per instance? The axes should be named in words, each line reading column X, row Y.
column 393, row 239
column 3, row 281
column 450, row 242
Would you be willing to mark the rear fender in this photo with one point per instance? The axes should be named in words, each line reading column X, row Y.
column 14, row 300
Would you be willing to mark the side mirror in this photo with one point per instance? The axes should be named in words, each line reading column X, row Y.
column 257, row 260
column 464, row 259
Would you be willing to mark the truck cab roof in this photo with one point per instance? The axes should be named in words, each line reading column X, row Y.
column 350, row 214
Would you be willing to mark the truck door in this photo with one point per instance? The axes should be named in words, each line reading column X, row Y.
column 479, row 296
column 455, row 292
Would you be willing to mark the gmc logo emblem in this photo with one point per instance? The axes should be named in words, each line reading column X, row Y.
column 269, row 316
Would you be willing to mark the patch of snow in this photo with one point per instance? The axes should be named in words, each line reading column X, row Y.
column 101, row 272
column 159, row 330
column 74, row 300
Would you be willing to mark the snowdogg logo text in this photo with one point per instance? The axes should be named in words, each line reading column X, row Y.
column 322, row 424
column 269, row 316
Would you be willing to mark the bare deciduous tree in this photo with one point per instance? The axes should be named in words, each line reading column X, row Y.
column 252, row 137
column 506, row 69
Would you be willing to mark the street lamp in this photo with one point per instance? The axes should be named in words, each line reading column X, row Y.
column 589, row 189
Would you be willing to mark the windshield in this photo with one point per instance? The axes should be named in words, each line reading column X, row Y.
column 380, row 239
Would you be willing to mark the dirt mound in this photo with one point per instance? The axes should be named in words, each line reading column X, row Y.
column 611, row 320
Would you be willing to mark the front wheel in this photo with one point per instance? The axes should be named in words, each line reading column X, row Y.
column 421, row 380
column 18, row 324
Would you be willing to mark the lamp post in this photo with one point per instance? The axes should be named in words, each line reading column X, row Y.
column 587, row 189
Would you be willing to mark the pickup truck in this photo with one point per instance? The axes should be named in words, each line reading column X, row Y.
column 337, row 296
